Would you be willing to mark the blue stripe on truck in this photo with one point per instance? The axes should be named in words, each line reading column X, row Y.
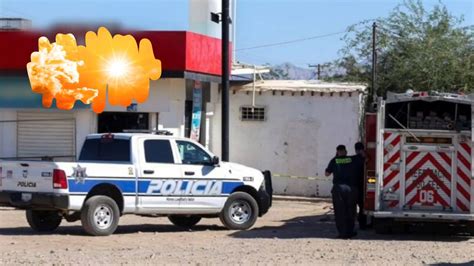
column 128, row 185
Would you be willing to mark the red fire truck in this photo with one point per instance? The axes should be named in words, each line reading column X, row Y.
column 419, row 149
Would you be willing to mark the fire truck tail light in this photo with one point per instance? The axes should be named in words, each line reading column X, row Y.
column 371, row 180
column 59, row 179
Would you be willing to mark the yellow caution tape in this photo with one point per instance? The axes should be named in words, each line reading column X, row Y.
column 303, row 177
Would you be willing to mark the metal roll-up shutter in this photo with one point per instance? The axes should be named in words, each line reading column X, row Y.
column 46, row 134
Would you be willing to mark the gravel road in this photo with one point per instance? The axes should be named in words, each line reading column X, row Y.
column 291, row 233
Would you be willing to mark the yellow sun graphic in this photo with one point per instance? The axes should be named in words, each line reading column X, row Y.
column 107, row 66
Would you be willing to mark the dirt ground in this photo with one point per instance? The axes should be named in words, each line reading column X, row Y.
column 291, row 233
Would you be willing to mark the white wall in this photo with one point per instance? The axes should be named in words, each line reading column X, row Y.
column 172, row 94
column 200, row 17
column 167, row 97
column 298, row 138
column 86, row 123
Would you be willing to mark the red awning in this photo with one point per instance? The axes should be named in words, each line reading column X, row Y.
column 179, row 51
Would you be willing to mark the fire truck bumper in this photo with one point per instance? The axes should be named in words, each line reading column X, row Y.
column 425, row 216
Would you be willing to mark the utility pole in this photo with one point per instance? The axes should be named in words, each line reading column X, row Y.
column 374, row 62
column 225, row 80
column 318, row 66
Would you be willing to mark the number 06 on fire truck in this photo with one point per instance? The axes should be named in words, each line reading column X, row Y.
column 419, row 168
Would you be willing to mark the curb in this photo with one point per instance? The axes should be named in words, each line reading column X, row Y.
column 301, row 199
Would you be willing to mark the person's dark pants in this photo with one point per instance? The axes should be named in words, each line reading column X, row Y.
column 361, row 217
column 344, row 199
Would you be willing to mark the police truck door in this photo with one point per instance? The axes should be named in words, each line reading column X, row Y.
column 205, row 181
column 159, row 178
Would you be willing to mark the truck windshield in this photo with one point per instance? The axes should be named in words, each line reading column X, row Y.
column 113, row 150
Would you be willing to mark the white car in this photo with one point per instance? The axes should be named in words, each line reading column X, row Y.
column 141, row 174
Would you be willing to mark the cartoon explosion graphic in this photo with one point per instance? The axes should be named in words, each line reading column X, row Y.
column 113, row 66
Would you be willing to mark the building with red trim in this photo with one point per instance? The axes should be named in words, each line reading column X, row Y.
column 288, row 127
column 186, row 57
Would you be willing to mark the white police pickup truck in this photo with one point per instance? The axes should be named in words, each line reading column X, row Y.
column 141, row 174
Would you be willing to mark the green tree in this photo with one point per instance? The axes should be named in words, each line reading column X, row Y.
column 417, row 49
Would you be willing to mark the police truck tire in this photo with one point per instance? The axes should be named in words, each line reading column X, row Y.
column 43, row 221
column 184, row 221
column 240, row 211
column 100, row 216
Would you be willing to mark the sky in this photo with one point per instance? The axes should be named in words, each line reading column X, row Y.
column 258, row 22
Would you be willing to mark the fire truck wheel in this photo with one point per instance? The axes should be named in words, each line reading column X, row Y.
column 43, row 221
column 185, row 221
column 383, row 225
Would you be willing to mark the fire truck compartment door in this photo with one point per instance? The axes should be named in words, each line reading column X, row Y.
column 429, row 175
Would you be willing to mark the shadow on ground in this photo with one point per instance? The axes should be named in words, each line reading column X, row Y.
column 122, row 229
column 323, row 226
column 310, row 226
column 470, row 263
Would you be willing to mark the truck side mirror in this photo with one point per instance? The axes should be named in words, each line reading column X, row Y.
column 215, row 160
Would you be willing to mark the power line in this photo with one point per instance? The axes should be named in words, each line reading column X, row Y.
column 292, row 41
column 361, row 23
column 258, row 57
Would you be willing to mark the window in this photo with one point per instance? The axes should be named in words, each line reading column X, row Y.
column 192, row 154
column 158, row 151
column 111, row 150
column 437, row 115
column 120, row 121
column 249, row 113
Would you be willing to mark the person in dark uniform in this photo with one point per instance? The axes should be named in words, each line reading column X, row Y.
column 360, row 159
column 344, row 192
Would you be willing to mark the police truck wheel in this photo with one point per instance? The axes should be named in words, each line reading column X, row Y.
column 43, row 221
column 185, row 221
column 100, row 216
column 240, row 211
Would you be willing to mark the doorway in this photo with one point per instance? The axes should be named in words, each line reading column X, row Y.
column 116, row 122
